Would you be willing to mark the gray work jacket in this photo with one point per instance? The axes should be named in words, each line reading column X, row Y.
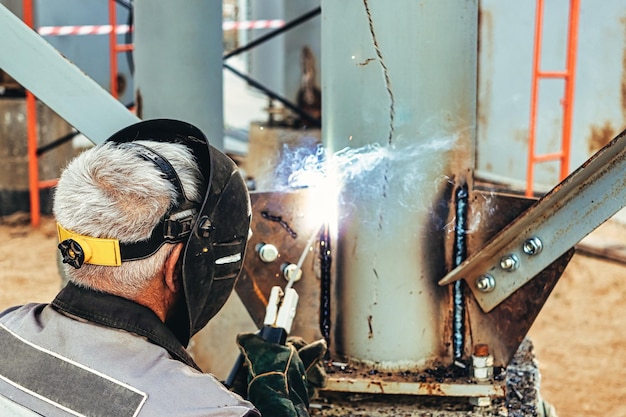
column 94, row 354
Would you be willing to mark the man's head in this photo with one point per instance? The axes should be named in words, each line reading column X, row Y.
column 111, row 192
column 124, row 205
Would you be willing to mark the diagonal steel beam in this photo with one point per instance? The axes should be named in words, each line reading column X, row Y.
column 548, row 229
column 40, row 68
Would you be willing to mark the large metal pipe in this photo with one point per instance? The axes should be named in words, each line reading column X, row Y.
column 402, row 76
column 178, row 63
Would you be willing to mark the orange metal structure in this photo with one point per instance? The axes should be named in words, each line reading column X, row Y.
column 569, row 76
column 34, row 184
column 32, row 139
column 114, row 48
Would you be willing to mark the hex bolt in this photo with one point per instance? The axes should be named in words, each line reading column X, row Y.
column 481, row 370
column 532, row 246
column 509, row 262
column 267, row 252
column 485, row 283
column 289, row 271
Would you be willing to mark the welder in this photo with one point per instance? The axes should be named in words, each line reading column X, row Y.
column 152, row 227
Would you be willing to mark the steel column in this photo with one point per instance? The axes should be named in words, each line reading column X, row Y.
column 400, row 75
column 178, row 63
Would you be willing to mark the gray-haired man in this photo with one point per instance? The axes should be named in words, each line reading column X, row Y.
column 152, row 227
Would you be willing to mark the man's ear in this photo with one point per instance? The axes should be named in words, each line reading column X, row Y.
column 172, row 272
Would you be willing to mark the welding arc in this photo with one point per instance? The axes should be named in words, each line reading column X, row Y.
column 309, row 243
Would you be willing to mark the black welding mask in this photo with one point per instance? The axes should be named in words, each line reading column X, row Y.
column 216, row 234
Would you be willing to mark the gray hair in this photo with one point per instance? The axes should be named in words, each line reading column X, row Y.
column 110, row 192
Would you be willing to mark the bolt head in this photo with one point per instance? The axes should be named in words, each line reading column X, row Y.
column 268, row 253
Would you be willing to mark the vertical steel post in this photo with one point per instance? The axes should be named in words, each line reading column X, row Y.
column 178, row 63
column 401, row 76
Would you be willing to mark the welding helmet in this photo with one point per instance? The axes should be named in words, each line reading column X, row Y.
column 214, row 232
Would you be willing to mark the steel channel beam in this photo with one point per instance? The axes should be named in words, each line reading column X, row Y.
column 40, row 68
column 563, row 217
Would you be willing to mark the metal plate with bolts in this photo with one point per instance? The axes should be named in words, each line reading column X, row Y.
column 548, row 229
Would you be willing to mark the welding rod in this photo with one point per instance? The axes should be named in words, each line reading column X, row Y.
column 309, row 243
column 271, row 333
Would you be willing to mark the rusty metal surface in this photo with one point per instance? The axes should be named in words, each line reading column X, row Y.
column 506, row 325
column 574, row 208
column 517, row 391
column 281, row 219
column 442, row 381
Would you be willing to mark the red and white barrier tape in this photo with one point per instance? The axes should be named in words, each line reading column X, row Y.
column 254, row 24
column 82, row 30
column 121, row 29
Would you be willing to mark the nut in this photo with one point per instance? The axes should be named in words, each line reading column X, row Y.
column 509, row 263
column 532, row 246
column 485, row 283
column 290, row 270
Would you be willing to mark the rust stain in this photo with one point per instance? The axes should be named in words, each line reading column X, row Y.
column 380, row 385
column 432, row 388
column 601, row 135
column 485, row 49
column 623, row 82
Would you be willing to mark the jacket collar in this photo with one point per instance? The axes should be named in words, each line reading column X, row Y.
column 120, row 313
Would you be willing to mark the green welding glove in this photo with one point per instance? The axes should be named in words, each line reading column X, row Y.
column 277, row 383
column 311, row 355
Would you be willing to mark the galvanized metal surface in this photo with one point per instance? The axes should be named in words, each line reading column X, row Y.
column 61, row 85
column 397, row 92
column 89, row 52
column 504, row 327
column 573, row 209
column 178, row 63
column 505, row 68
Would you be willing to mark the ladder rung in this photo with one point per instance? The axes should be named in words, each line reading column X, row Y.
column 124, row 48
column 547, row 157
column 48, row 183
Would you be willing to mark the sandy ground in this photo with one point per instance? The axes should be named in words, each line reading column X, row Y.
column 579, row 337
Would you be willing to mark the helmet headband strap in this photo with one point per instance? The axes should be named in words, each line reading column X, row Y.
column 174, row 227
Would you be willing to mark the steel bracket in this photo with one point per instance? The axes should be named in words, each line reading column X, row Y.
column 548, row 229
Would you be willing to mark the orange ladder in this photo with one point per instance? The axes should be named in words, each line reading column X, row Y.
column 568, row 75
column 34, row 184
column 115, row 48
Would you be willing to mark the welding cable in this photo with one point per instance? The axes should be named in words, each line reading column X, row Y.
column 460, row 253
